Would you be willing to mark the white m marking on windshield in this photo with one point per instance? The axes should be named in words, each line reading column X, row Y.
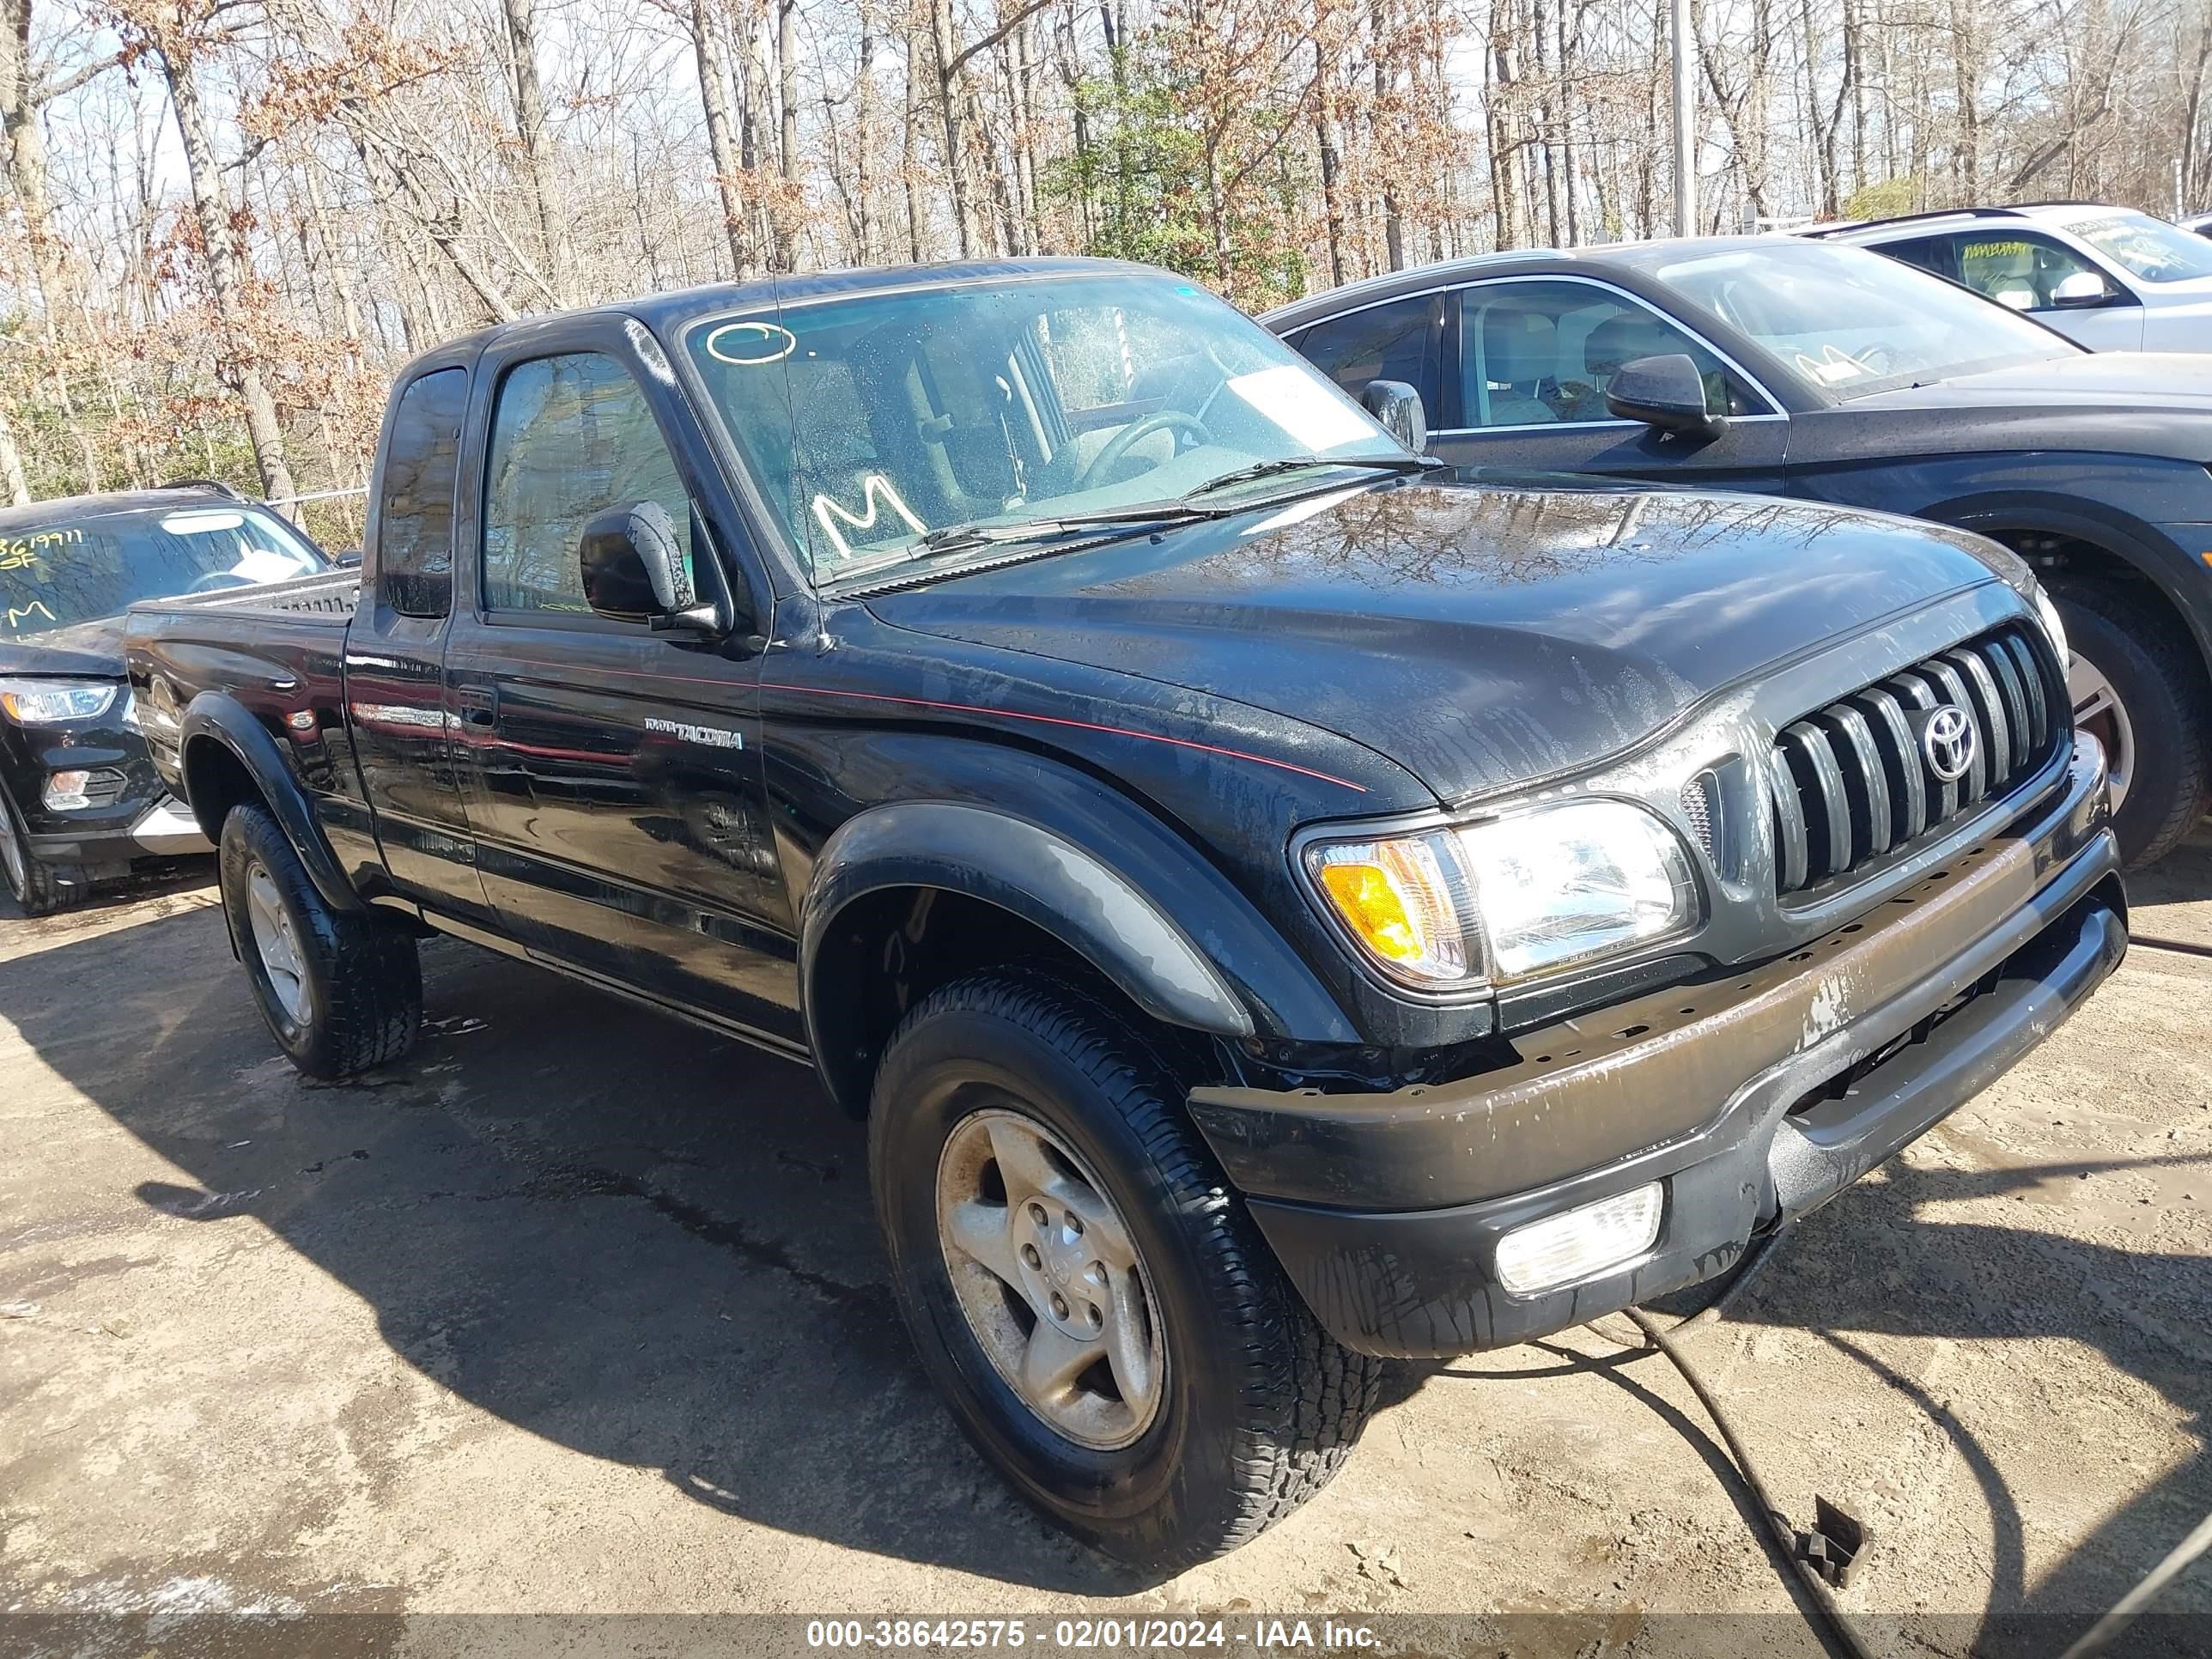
column 875, row 489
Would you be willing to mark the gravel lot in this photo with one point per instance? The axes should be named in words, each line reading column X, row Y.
column 580, row 1311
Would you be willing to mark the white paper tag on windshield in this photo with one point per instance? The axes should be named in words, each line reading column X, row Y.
column 1287, row 395
column 259, row 565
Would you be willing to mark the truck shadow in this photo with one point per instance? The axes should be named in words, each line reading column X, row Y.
column 655, row 1246
column 618, row 1232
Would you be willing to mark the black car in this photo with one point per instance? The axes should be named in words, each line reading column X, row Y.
column 79, row 800
column 1818, row 370
column 2200, row 224
column 1275, row 907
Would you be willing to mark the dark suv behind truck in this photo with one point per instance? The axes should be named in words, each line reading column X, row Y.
column 1276, row 907
column 79, row 800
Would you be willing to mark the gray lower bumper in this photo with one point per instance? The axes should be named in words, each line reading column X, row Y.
column 167, row 828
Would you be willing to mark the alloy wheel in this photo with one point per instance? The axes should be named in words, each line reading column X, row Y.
column 2099, row 711
column 12, row 855
column 276, row 944
column 1051, row 1279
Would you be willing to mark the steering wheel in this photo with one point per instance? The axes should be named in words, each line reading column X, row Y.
column 1168, row 420
column 214, row 579
column 1878, row 359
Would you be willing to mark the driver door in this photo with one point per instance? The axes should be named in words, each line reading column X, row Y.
column 614, row 773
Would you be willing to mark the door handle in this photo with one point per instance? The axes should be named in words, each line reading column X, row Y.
column 478, row 704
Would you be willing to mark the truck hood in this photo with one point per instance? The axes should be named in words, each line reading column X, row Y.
column 1480, row 638
column 92, row 648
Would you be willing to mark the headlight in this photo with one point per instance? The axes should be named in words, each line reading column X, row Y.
column 52, row 703
column 1512, row 897
column 2053, row 626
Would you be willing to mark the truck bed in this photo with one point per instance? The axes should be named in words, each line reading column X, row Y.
column 328, row 595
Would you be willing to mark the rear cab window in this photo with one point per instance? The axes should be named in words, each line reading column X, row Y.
column 413, row 554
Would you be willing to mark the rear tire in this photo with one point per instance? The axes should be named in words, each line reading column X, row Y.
column 1246, row 1407
column 2140, row 690
column 340, row 991
column 39, row 888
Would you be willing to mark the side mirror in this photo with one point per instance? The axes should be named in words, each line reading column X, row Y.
column 349, row 559
column 2079, row 291
column 1397, row 406
column 1666, row 392
column 634, row 570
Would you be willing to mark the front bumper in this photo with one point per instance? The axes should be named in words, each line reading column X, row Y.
column 134, row 817
column 1752, row 1097
column 162, row 828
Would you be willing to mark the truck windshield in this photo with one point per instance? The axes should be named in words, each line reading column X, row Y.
column 873, row 420
column 79, row 567
column 1853, row 322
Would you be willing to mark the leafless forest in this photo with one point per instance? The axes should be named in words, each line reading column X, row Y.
column 227, row 219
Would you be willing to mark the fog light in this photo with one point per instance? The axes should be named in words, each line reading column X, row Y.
column 65, row 791
column 1578, row 1243
column 73, row 790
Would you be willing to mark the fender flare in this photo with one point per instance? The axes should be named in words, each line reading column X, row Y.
column 216, row 717
column 1037, row 874
column 2122, row 539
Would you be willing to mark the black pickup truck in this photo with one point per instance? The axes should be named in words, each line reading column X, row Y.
column 1277, row 906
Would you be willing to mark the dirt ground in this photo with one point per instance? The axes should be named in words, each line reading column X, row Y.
column 581, row 1311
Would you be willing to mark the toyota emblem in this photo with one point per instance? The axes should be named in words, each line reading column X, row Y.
column 1947, row 741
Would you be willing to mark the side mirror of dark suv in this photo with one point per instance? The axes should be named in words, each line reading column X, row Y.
column 1397, row 406
column 1666, row 392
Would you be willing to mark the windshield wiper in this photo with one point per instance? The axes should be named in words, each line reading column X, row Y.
column 954, row 536
column 1294, row 462
column 966, row 537
column 984, row 532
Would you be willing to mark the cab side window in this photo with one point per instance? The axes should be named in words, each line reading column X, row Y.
column 2019, row 270
column 1544, row 353
column 414, row 552
column 1397, row 340
column 571, row 436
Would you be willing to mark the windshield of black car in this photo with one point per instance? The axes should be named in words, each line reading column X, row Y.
column 2151, row 248
column 870, row 420
column 1854, row 322
column 78, row 568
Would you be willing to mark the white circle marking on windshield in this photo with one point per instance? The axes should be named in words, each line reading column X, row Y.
column 767, row 333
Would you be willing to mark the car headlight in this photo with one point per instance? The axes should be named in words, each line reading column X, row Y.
column 1511, row 897
column 53, row 702
column 2053, row 626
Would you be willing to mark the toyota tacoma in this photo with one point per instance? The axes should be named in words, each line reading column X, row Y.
column 1278, row 907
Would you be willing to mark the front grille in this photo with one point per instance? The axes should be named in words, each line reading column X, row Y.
column 1697, row 811
column 1852, row 782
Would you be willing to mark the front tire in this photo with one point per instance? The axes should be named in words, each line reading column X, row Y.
column 39, row 888
column 2138, row 691
column 340, row 993
column 1107, row 1323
